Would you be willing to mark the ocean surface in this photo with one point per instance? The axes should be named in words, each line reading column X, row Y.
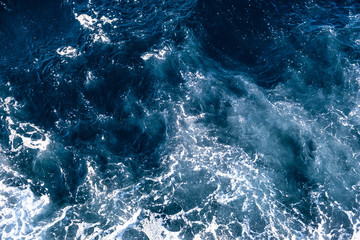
column 186, row 119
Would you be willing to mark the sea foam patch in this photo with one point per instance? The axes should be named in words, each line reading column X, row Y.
column 26, row 135
column 68, row 52
column 96, row 26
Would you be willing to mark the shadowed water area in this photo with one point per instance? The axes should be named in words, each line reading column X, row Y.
column 183, row 119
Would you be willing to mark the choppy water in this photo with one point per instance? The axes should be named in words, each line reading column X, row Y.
column 181, row 119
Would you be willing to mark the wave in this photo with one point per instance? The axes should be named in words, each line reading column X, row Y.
column 179, row 119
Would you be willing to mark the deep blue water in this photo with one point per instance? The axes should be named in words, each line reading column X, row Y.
column 188, row 119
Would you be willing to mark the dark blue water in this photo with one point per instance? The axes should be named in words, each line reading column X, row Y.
column 183, row 119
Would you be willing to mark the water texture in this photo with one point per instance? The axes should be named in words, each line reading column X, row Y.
column 187, row 119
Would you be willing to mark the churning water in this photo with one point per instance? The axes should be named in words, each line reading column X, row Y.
column 187, row 119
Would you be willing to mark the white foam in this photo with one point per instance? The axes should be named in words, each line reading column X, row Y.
column 18, row 207
column 356, row 228
column 95, row 25
column 90, row 79
column 31, row 136
column 108, row 20
column 100, row 36
column 119, row 230
column 68, row 52
column 158, row 54
column 20, row 130
column 86, row 21
column 154, row 229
